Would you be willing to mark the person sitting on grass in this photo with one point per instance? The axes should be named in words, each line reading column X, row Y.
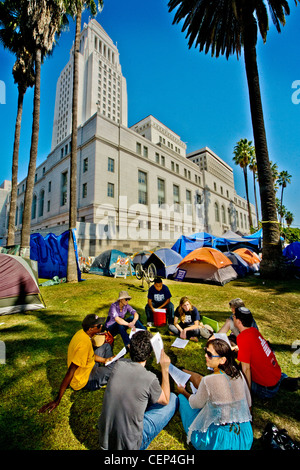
column 159, row 296
column 84, row 363
column 116, row 322
column 187, row 323
column 135, row 406
column 229, row 323
column 258, row 361
column 217, row 416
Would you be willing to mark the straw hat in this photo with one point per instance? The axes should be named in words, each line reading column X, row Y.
column 123, row 295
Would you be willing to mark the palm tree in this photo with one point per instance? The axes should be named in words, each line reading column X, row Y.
column 75, row 9
column 289, row 218
column 224, row 28
column 253, row 168
column 274, row 171
column 40, row 23
column 24, row 78
column 283, row 179
column 242, row 155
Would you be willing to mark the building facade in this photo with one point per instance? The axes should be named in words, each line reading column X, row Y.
column 136, row 187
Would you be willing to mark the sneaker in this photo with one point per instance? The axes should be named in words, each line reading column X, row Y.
column 149, row 323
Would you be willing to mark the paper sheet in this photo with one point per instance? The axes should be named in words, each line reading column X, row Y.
column 157, row 345
column 180, row 343
column 120, row 354
column 132, row 332
column 178, row 375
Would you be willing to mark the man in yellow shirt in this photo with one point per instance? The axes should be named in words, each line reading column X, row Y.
column 84, row 364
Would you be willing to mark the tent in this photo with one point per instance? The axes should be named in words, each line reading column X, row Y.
column 51, row 253
column 231, row 240
column 19, row 290
column 141, row 257
column 186, row 244
column 105, row 264
column 292, row 253
column 250, row 257
column 239, row 264
column 208, row 265
column 165, row 261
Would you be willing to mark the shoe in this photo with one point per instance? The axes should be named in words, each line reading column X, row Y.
column 149, row 323
column 194, row 338
column 291, row 384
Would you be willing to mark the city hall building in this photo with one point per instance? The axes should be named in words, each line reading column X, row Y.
column 137, row 188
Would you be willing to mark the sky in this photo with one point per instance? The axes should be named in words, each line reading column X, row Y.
column 201, row 98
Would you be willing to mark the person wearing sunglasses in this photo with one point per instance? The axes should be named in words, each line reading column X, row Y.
column 84, row 363
column 116, row 323
column 217, row 416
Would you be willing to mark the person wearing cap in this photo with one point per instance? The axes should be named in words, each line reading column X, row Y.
column 84, row 363
column 159, row 296
column 229, row 324
column 259, row 364
column 116, row 322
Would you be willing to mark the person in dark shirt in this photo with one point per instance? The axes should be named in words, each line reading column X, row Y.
column 159, row 296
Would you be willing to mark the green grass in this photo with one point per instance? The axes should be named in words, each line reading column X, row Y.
column 36, row 348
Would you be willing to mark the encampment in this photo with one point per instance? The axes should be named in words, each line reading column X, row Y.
column 239, row 264
column 164, row 262
column 250, row 257
column 51, row 253
column 186, row 244
column 19, row 290
column 206, row 265
column 105, row 264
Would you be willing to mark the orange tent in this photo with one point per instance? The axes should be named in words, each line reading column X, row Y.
column 248, row 255
column 208, row 265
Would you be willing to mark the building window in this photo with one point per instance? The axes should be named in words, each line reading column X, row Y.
column 111, row 165
column 33, row 207
column 189, row 202
column 163, row 161
column 48, row 206
column 142, row 187
column 157, row 157
column 145, row 152
column 85, row 165
column 64, row 188
column 217, row 214
column 161, row 191
column 49, row 187
column 110, row 190
column 176, row 200
column 138, row 148
column 84, row 190
column 223, row 215
column 41, row 203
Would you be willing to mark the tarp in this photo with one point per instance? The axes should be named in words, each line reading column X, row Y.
column 250, row 257
column 240, row 266
column 105, row 264
column 165, row 260
column 186, row 244
column 51, row 253
column 19, row 290
column 292, row 253
column 207, row 265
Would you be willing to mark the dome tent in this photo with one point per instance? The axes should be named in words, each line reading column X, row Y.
column 165, row 261
column 105, row 264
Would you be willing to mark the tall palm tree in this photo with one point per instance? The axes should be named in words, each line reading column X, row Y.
column 40, row 23
column 274, row 171
column 289, row 218
column 224, row 27
column 24, row 78
column 253, row 168
column 242, row 155
column 75, row 9
column 283, row 179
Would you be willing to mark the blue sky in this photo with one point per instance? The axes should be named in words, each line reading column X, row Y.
column 201, row 98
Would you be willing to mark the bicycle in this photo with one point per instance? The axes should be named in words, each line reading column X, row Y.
column 149, row 274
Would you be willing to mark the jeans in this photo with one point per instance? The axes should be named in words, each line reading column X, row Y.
column 189, row 333
column 100, row 373
column 116, row 329
column 266, row 392
column 156, row 418
column 169, row 312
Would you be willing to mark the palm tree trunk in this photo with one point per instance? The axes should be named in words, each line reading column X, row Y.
column 25, row 237
column 72, row 275
column 255, row 198
column 13, row 196
column 247, row 196
column 281, row 204
column 272, row 251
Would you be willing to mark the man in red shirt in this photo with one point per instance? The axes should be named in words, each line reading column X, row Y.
column 259, row 364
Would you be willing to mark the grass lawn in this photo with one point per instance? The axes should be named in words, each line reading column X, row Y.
column 36, row 349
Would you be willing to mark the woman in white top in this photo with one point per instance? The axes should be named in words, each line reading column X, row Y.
column 217, row 416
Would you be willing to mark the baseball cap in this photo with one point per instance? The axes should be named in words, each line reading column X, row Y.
column 91, row 320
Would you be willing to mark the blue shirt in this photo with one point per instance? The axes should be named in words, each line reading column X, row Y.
column 159, row 296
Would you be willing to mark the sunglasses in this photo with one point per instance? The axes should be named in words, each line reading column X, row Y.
column 127, row 300
column 209, row 354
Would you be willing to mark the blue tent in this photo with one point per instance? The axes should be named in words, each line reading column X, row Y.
column 239, row 265
column 105, row 263
column 292, row 253
column 51, row 253
column 185, row 245
column 165, row 260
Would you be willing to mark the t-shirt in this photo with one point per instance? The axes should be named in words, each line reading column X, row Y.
column 81, row 353
column 131, row 388
column 159, row 296
column 254, row 350
column 114, row 311
column 190, row 317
